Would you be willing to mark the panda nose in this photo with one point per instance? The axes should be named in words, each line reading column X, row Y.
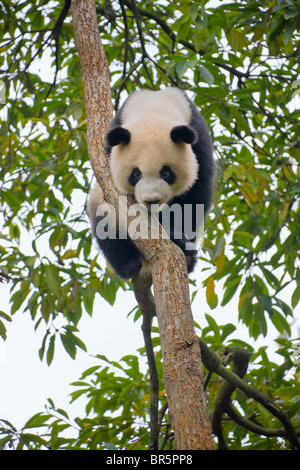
column 152, row 201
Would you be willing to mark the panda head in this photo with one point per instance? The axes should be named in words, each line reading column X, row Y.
column 153, row 162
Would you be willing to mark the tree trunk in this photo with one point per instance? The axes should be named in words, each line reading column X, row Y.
column 183, row 378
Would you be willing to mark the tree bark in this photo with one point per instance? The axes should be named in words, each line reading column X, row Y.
column 183, row 378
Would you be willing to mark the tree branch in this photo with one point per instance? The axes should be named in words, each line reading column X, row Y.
column 240, row 359
column 142, row 290
column 253, row 427
column 183, row 378
column 55, row 34
column 214, row 363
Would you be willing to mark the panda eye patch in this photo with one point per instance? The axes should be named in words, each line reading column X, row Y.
column 167, row 175
column 135, row 176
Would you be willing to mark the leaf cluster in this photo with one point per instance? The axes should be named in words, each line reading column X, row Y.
column 116, row 395
column 240, row 63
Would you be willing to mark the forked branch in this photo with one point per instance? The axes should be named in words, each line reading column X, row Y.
column 183, row 379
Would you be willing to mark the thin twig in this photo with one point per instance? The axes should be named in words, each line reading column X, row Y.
column 142, row 290
column 214, row 363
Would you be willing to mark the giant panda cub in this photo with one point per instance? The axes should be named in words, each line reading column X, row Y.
column 160, row 150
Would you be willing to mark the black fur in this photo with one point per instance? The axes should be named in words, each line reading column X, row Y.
column 134, row 177
column 167, row 175
column 123, row 255
column 184, row 133
column 117, row 135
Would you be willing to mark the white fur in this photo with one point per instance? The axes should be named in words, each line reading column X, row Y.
column 148, row 191
column 169, row 105
column 95, row 199
column 149, row 116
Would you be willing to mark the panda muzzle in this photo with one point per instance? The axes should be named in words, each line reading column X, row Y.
column 150, row 192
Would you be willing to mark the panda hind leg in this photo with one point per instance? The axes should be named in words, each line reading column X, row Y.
column 123, row 256
column 190, row 255
column 191, row 260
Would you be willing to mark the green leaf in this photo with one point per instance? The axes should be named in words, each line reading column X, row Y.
column 284, row 307
column 183, row 66
column 240, row 119
column 3, row 330
column 227, row 330
column 206, row 75
column 213, row 326
column 4, row 441
column 290, row 13
column 280, row 322
column 42, row 348
column 50, row 350
column 62, row 412
column 2, row 326
column 36, row 421
column 244, row 239
column 69, row 344
column 182, row 26
column 5, row 316
column 288, row 392
column 258, row 310
column 231, row 290
column 52, row 278
column 211, row 296
column 90, row 371
column 237, row 41
column 296, row 296
column 19, row 297
column 270, row 277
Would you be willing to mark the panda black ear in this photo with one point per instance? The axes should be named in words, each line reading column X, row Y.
column 184, row 133
column 117, row 135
